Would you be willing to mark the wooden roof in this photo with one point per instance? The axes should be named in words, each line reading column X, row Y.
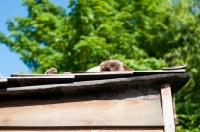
column 55, row 85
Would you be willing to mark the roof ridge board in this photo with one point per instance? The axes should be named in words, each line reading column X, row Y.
column 170, row 78
column 102, row 73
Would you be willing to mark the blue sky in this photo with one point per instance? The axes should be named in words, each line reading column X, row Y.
column 10, row 61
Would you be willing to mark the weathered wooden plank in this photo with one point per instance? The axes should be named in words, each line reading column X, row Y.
column 46, row 113
column 87, row 130
column 3, row 82
column 143, row 73
column 35, row 80
column 106, row 84
column 174, row 67
column 101, row 75
column 83, row 76
column 108, row 75
column 77, row 91
column 174, row 112
column 169, row 125
column 39, row 75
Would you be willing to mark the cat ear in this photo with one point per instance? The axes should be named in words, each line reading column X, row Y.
column 126, row 68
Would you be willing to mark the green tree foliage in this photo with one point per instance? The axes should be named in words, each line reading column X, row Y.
column 143, row 34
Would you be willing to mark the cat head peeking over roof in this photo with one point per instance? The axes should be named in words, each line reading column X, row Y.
column 113, row 65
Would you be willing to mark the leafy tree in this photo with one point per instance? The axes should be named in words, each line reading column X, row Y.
column 143, row 34
column 92, row 32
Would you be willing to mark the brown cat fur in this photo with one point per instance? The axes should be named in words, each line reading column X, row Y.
column 51, row 71
column 113, row 65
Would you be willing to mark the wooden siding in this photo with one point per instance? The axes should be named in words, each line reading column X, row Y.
column 44, row 113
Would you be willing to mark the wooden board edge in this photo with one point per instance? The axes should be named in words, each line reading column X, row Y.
column 169, row 125
column 93, row 113
column 80, row 129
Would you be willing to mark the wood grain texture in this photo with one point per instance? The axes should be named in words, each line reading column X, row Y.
column 174, row 112
column 112, row 91
column 36, row 80
column 83, row 113
column 168, row 116
column 87, row 130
